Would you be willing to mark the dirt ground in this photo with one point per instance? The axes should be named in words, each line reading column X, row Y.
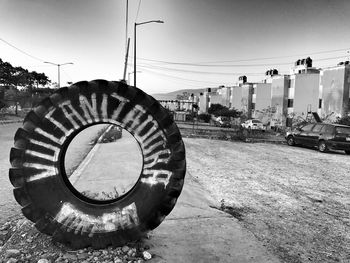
column 295, row 200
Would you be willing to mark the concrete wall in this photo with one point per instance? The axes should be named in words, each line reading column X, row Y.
column 263, row 95
column 215, row 98
column 334, row 88
column 236, row 97
column 279, row 99
column 246, row 100
column 225, row 93
column 305, row 91
column 204, row 102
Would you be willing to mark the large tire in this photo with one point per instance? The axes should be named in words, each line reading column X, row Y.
column 42, row 187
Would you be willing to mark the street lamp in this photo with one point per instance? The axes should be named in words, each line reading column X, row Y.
column 138, row 24
column 58, row 69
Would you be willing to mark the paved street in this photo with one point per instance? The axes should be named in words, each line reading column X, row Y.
column 80, row 147
column 110, row 169
column 284, row 195
column 8, row 204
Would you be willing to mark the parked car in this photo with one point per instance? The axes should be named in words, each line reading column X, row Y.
column 222, row 121
column 253, row 124
column 321, row 135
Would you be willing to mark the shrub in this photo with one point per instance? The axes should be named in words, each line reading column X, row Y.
column 220, row 110
column 343, row 120
column 204, row 117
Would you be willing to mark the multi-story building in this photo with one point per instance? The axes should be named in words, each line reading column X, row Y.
column 279, row 100
column 261, row 100
column 203, row 102
column 236, row 97
column 285, row 97
column 241, row 96
column 303, row 92
column 220, row 95
column 334, row 90
column 225, row 94
column 208, row 97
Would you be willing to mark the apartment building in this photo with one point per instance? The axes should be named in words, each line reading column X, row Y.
column 279, row 99
column 241, row 96
column 303, row 91
column 334, row 90
column 306, row 89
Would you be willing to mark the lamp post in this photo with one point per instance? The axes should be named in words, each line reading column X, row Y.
column 58, row 69
column 135, row 25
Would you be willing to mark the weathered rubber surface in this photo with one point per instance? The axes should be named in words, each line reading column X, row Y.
column 44, row 192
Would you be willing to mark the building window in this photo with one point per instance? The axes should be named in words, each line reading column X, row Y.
column 253, row 106
column 290, row 103
column 320, row 103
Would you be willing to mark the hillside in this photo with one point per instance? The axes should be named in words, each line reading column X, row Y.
column 172, row 95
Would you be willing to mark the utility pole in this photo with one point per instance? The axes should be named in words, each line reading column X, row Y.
column 127, row 40
column 126, row 59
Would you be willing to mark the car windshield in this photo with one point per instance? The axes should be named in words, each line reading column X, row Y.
column 256, row 121
column 343, row 130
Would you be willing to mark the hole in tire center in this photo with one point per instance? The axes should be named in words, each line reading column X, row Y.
column 103, row 162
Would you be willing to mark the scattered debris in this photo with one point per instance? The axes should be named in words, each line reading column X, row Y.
column 23, row 243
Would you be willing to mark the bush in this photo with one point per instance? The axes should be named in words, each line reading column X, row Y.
column 343, row 120
column 220, row 110
column 204, row 117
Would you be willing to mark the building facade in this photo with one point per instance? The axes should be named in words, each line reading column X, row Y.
column 303, row 91
column 334, row 90
column 284, row 98
column 279, row 100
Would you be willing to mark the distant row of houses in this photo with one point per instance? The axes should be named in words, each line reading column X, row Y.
column 280, row 98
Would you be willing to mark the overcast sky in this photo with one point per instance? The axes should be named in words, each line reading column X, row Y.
column 220, row 39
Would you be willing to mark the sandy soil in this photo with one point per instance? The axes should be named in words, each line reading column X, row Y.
column 295, row 200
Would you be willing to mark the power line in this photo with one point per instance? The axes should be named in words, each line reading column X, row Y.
column 20, row 50
column 152, row 66
column 241, row 60
column 183, row 81
column 240, row 65
column 138, row 9
column 197, row 71
column 174, row 77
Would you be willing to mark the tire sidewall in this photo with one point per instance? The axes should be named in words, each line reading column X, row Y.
column 57, row 120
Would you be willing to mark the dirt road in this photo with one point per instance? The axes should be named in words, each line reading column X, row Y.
column 295, row 200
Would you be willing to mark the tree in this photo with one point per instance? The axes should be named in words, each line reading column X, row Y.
column 220, row 110
column 39, row 79
column 6, row 71
column 20, row 77
column 21, row 86
column 215, row 108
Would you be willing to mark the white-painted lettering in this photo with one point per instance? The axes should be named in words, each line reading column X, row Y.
column 88, row 109
column 155, row 178
column 67, row 105
column 48, row 171
column 49, row 136
column 40, row 155
column 104, row 106
column 47, row 146
column 55, row 122
column 80, row 222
